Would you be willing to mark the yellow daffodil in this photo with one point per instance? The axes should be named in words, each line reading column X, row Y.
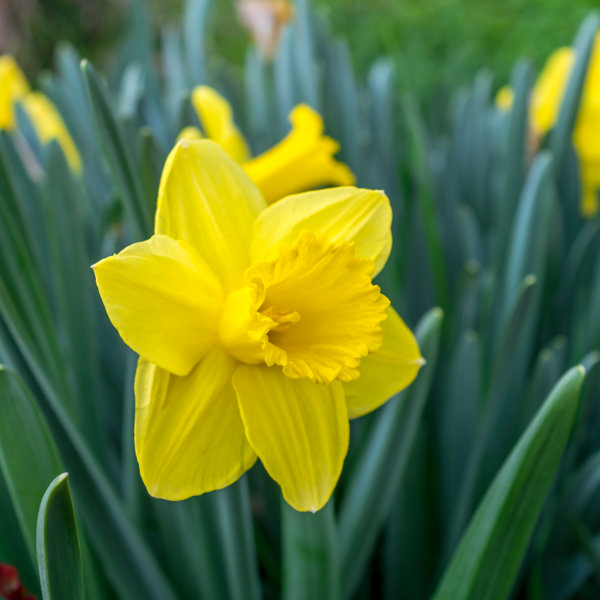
column 43, row 115
column 303, row 160
column 49, row 125
column 13, row 87
column 545, row 101
column 259, row 330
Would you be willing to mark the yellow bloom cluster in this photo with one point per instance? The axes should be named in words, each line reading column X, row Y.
column 43, row 115
column 546, row 97
column 302, row 161
column 259, row 329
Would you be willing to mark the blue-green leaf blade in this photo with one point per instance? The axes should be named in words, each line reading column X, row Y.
column 58, row 551
column 311, row 564
column 490, row 552
column 373, row 485
column 28, row 457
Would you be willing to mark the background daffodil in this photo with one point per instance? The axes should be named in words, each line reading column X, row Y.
column 259, row 330
column 303, row 160
column 546, row 98
column 44, row 116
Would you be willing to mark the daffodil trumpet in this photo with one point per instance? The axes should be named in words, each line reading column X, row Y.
column 259, row 330
column 302, row 161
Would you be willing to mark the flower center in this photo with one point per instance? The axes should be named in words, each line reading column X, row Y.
column 312, row 309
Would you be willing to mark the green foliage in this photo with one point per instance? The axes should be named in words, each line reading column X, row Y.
column 29, row 461
column 468, row 472
column 490, row 552
column 59, row 557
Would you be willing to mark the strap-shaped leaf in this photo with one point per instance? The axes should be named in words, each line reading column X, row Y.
column 118, row 154
column 234, row 525
column 58, row 552
column 28, row 457
column 311, row 567
column 583, row 45
column 491, row 550
column 374, row 482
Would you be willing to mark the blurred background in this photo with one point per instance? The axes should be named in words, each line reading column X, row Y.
column 435, row 44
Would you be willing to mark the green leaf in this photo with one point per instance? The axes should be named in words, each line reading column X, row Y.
column 530, row 228
column 194, row 26
column 307, row 74
column 374, row 483
column 426, row 200
column 118, row 154
column 73, row 288
column 469, row 236
column 28, row 457
column 284, row 84
column 458, row 418
column 491, row 550
column 561, row 134
column 234, row 526
column 504, row 362
column 13, row 549
column 311, row 566
column 259, row 101
column 191, row 523
column 59, row 556
column 344, row 109
column 125, row 557
column 514, row 152
column 24, row 301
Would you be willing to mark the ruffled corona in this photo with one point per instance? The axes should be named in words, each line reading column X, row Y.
column 311, row 310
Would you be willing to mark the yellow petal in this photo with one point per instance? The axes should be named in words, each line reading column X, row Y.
column 303, row 160
column 590, row 175
column 206, row 199
column 163, row 300
column 547, row 93
column 389, row 370
column 338, row 214
column 191, row 134
column 48, row 125
column 299, row 430
column 189, row 437
column 216, row 117
column 13, row 86
column 586, row 136
column 505, row 98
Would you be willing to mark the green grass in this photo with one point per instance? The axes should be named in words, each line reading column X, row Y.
column 445, row 42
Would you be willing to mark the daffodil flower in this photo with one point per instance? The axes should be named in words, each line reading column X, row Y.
column 544, row 106
column 259, row 330
column 302, row 161
column 43, row 115
column 13, row 87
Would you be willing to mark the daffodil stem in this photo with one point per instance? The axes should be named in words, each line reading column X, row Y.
column 311, row 562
